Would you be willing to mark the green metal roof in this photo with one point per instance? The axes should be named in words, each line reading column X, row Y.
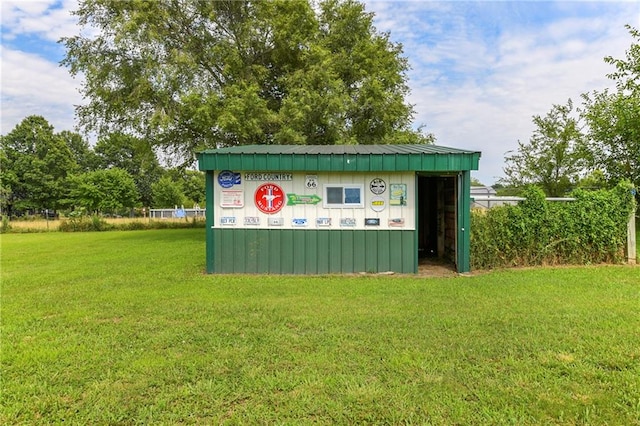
column 339, row 158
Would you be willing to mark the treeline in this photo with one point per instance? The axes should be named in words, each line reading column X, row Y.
column 45, row 172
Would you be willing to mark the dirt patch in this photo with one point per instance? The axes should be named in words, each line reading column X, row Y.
column 433, row 267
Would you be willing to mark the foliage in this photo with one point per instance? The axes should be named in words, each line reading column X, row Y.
column 476, row 182
column 551, row 158
column 35, row 163
column 206, row 74
column 6, row 226
column 193, row 185
column 104, row 190
column 593, row 181
column 167, row 193
column 136, row 156
column 627, row 74
column 132, row 329
column 591, row 229
column 613, row 120
column 614, row 134
column 79, row 221
column 83, row 155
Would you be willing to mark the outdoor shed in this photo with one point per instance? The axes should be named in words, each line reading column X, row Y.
column 316, row 209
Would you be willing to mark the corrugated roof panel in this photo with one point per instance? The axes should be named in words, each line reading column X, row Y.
column 339, row 158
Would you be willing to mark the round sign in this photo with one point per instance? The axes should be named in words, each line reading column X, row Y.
column 377, row 186
column 378, row 204
column 269, row 198
column 227, row 178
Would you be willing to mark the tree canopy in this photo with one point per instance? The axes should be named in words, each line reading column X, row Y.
column 191, row 74
column 613, row 119
column 552, row 156
column 35, row 163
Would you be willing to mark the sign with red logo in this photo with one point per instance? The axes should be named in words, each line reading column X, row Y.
column 269, row 198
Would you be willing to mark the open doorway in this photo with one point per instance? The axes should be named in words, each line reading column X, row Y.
column 437, row 219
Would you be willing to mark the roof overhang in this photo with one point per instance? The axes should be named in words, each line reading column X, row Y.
column 339, row 158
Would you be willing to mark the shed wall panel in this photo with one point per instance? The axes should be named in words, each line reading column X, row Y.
column 288, row 251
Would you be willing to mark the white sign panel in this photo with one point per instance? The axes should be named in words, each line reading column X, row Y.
column 271, row 177
column 233, row 198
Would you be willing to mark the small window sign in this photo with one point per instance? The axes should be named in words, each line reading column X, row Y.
column 299, row 222
column 252, row 220
column 372, row 221
column 227, row 221
column 348, row 221
column 396, row 223
column 275, row 221
column 323, row 221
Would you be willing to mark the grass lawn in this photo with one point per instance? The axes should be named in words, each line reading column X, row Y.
column 125, row 328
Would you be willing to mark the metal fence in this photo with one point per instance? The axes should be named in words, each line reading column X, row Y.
column 176, row 213
column 486, row 202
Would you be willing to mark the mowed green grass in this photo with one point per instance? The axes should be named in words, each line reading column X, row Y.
column 125, row 328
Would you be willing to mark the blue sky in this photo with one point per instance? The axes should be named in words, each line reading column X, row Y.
column 479, row 70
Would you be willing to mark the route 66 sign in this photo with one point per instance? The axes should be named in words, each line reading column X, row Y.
column 377, row 186
column 311, row 181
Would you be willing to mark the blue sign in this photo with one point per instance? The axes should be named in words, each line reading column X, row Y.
column 227, row 179
column 299, row 222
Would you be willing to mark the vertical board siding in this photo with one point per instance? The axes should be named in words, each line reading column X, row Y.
column 288, row 251
column 347, row 250
column 322, row 259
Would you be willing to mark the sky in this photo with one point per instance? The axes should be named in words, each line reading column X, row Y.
column 480, row 70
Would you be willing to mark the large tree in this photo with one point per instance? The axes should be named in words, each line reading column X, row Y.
column 136, row 156
column 35, row 164
column 613, row 120
column 191, row 74
column 552, row 157
column 103, row 191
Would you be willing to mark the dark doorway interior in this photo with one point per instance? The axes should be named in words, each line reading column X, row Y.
column 437, row 218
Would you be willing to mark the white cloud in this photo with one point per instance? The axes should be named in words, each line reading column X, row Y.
column 32, row 85
column 50, row 20
column 478, row 78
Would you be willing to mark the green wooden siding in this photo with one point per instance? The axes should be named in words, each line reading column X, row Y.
column 297, row 251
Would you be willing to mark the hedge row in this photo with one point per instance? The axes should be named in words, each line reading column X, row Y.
column 591, row 229
column 96, row 223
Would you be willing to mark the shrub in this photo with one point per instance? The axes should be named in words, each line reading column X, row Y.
column 591, row 229
column 79, row 222
column 6, row 226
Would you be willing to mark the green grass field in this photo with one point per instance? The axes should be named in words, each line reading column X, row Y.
column 125, row 328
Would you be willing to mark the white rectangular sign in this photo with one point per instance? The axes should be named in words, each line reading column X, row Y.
column 232, row 198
